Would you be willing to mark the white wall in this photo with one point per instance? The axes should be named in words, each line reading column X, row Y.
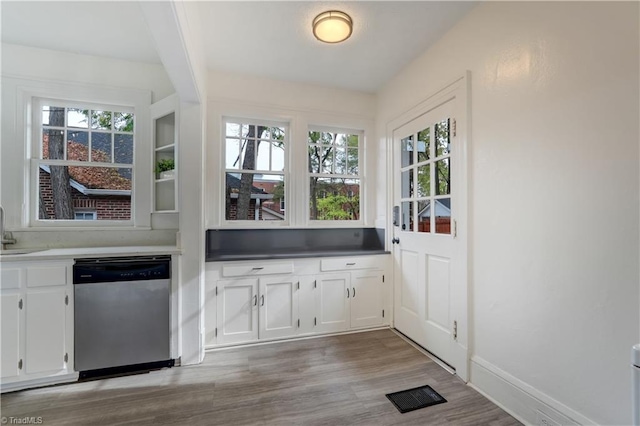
column 301, row 105
column 553, row 195
column 42, row 65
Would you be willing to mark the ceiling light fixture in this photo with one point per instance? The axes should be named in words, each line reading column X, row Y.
column 332, row 26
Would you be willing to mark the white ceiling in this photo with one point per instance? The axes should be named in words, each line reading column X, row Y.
column 111, row 29
column 265, row 38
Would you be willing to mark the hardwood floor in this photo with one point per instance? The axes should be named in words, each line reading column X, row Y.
column 336, row 380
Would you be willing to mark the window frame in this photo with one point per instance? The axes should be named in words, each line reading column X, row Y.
column 37, row 160
column 316, row 223
column 28, row 126
column 286, row 173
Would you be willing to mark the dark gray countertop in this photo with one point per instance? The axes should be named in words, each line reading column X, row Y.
column 292, row 255
column 264, row 244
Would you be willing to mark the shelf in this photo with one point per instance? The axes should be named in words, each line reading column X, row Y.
column 171, row 179
column 166, row 148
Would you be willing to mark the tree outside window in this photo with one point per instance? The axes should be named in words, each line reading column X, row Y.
column 334, row 175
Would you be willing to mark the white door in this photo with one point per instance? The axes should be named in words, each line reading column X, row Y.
column 237, row 310
column 366, row 298
column 278, row 307
column 424, row 243
column 333, row 296
column 45, row 330
column 10, row 302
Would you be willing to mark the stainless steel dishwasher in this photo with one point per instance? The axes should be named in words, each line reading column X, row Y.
column 121, row 314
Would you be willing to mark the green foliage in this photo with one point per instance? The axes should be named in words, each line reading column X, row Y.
column 338, row 207
column 165, row 165
column 122, row 121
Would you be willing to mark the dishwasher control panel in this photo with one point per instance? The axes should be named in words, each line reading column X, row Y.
column 100, row 270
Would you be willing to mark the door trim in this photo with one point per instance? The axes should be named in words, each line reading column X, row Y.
column 460, row 89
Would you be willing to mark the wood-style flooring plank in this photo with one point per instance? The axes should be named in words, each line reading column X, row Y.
column 333, row 380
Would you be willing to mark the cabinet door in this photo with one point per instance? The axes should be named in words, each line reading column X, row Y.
column 45, row 330
column 278, row 307
column 10, row 345
column 307, row 304
column 237, row 310
column 366, row 299
column 332, row 298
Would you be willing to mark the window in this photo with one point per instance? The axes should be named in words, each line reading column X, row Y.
column 334, row 175
column 80, row 215
column 255, row 169
column 85, row 156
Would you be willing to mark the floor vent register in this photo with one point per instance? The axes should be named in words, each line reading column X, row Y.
column 413, row 399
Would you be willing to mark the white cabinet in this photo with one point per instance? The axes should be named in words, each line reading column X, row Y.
column 278, row 307
column 250, row 308
column 165, row 119
column 366, row 298
column 237, row 309
column 255, row 300
column 45, row 312
column 37, row 323
column 332, row 302
column 10, row 315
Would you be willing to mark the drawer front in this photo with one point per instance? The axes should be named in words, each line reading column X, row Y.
column 10, row 277
column 43, row 276
column 346, row 263
column 232, row 270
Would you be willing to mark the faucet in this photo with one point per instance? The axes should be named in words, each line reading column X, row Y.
column 5, row 237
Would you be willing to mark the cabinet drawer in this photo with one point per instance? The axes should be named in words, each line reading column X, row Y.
column 10, row 277
column 256, row 269
column 346, row 263
column 43, row 276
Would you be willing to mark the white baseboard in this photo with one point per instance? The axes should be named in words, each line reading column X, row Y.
column 34, row 383
column 521, row 400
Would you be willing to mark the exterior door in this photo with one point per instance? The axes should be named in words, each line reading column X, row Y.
column 424, row 229
column 237, row 310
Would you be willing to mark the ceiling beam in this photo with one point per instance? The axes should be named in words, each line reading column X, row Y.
column 177, row 46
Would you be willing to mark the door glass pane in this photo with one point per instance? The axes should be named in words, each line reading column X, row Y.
column 424, row 145
column 443, row 215
column 406, row 151
column 407, row 184
column 407, row 215
column 424, row 216
column 442, row 138
column 424, row 181
column 443, row 176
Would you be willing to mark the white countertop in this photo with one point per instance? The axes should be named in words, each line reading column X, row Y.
column 75, row 253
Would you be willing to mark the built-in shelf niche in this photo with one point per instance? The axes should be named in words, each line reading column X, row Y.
column 164, row 115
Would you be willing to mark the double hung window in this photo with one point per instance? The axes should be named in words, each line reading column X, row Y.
column 334, row 175
column 255, row 170
column 84, row 165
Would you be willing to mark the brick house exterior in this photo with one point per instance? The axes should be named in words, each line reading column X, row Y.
column 106, row 207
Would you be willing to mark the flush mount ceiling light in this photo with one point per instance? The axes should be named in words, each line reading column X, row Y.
column 332, row 26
